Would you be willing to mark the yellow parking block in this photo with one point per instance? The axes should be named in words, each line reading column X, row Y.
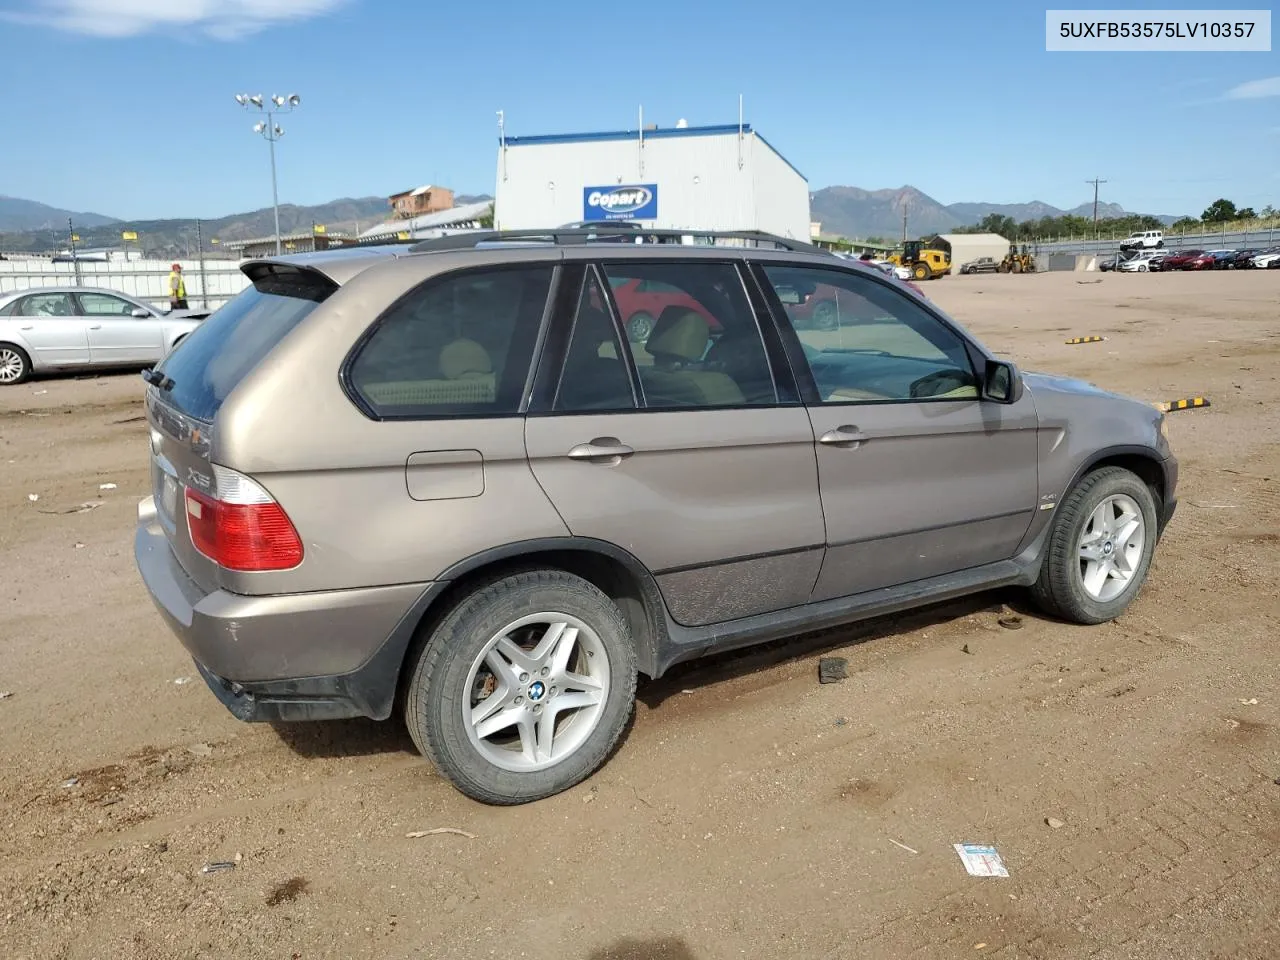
column 1190, row 403
column 1075, row 340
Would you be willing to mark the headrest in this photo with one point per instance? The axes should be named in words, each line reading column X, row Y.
column 464, row 358
column 680, row 333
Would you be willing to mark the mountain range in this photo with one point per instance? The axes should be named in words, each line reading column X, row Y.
column 842, row 210
column 28, row 225
column 854, row 212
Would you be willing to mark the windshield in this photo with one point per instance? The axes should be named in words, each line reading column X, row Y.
column 224, row 348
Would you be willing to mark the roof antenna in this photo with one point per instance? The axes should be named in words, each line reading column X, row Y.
column 740, row 128
column 502, row 141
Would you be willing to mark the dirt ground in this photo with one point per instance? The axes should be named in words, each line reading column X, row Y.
column 750, row 811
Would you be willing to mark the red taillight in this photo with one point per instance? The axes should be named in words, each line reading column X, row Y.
column 241, row 527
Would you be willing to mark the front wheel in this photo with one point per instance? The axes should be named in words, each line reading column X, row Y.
column 524, row 688
column 1099, row 548
column 922, row 271
column 15, row 365
column 1142, row 268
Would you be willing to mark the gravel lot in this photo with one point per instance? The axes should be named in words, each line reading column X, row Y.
column 750, row 812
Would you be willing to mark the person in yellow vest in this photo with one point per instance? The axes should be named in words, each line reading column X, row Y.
column 177, row 289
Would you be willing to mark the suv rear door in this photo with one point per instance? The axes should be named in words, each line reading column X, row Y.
column 682, row 449
column 919, row 476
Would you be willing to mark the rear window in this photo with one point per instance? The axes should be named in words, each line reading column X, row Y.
column 220, row 352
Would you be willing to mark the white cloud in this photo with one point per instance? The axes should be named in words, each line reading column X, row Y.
column 1255, row 89
column 220, row 19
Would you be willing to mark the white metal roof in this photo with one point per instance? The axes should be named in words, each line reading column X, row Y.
column 444, row 218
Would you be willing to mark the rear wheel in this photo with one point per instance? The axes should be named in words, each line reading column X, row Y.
column 1099, row 548
column 1142, row 268
column 639, row 327
column 15, row 365
column 524, row 688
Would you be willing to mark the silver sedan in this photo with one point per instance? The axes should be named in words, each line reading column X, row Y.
column 64, row 328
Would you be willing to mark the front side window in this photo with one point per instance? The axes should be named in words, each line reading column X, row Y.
column 459, row 345
column 47, row 305
column 692, row 334
column 101, row 305
column 866, row 342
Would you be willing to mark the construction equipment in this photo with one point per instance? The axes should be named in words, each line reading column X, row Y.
column 1018, row 261
column 925, row 259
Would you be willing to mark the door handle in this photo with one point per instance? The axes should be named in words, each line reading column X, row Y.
column 843, row 436
column 96, row 326
column 601, row 450
column 30, row 326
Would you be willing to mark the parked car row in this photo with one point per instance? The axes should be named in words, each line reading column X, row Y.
column 1163, row 260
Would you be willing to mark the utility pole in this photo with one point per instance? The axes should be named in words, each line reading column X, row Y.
column 204, row 283
column 904, row 227
column 75, row 260
column 1095, row 181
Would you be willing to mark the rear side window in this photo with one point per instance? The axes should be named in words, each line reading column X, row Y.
column 459, row 345
column 220, row 352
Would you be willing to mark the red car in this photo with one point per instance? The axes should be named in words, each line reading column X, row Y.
column 1206, row 261
column 1179, row 260
column 641, row 303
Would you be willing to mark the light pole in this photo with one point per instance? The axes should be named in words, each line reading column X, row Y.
column 271, row 132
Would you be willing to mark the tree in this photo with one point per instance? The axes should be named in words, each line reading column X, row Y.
column 1185, row 224
column 1220, row 211
column 999, row 223
column 1246, row 213
column 486, row 218
column 1268, row 211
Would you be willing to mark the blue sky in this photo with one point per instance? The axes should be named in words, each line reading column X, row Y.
column 124, row 107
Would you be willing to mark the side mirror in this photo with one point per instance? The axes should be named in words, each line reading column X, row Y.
column 1001, row 383
column 139, row 314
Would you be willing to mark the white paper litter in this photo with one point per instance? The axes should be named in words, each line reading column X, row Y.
column 106, row 486
column 981, row 860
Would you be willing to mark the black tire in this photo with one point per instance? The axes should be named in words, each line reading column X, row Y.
column 922, row 271
column 639, row 326
column 434, row 704
column 15, row 365
column 1060, row 589
column 1159, row 244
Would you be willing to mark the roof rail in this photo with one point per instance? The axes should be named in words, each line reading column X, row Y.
column 606, row 234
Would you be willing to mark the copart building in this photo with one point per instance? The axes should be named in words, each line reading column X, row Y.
column 725, row 177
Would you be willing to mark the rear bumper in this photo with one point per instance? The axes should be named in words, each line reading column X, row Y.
column 302, row 656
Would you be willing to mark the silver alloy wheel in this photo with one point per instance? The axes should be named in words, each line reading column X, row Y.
column 639, row 327
column 536, row 692
column 11, row 365
column 1111, row 547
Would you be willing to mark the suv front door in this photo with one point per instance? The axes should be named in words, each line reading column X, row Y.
column 919, row 476
column 678, row 449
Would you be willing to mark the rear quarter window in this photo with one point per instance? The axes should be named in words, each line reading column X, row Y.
column 459, row 345
column 221, row 352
